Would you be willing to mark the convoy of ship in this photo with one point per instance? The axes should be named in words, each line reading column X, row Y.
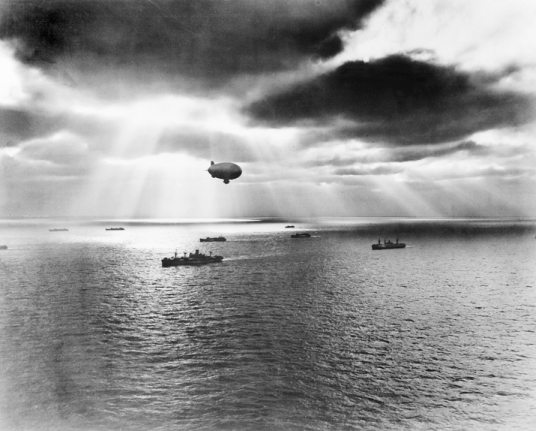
column 197, row 258
column 226, row 171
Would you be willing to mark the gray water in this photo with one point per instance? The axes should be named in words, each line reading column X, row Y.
column 285, row 334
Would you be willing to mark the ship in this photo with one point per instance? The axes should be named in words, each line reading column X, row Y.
column 301, row 235
column 289, row 226
column 193, row 259
column 387, row 245
column 58, row 230
column 3, row 247
column 214, row 239
column 115, row 228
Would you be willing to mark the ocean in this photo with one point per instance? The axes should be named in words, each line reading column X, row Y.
column 318, row 333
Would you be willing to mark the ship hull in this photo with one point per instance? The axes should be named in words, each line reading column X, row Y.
column 387, row 246
column 186, row 261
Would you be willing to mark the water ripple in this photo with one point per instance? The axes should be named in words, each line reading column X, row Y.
column 282, row 335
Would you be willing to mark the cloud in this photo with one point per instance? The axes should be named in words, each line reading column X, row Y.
column 17, row 124
column 12, row 122
column 368, row 170
column 414, row 154
column 211, row 40
column 397, row 100
column 501, row 33
column 62, row 149
column 218, row 146
column 62, row 155
column 180, row 78
column 399, row 155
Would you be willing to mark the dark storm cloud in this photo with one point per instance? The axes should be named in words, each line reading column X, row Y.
column 395, row 100
column 211, row 39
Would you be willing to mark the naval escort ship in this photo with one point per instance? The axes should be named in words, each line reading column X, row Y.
column 388, row 245
column 214, row 239
column 193, row 259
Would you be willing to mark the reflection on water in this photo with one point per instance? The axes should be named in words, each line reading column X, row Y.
column 284, row 334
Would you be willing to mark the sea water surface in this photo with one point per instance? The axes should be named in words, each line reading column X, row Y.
column 319, row 333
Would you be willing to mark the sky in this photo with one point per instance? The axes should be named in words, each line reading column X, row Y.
column 339, row 108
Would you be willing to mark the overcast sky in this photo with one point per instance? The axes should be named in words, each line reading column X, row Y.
column 331, row 107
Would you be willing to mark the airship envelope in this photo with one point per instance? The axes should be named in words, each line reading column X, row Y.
column 225, row 171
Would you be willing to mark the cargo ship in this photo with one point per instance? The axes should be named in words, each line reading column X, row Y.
column 193, row 259
column 214, row 239
column 387, row 245
column 301, row 235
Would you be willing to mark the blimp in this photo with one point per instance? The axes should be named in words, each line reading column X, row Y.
column 225, row 171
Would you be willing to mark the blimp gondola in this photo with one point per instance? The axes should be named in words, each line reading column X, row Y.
column 225, row 171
